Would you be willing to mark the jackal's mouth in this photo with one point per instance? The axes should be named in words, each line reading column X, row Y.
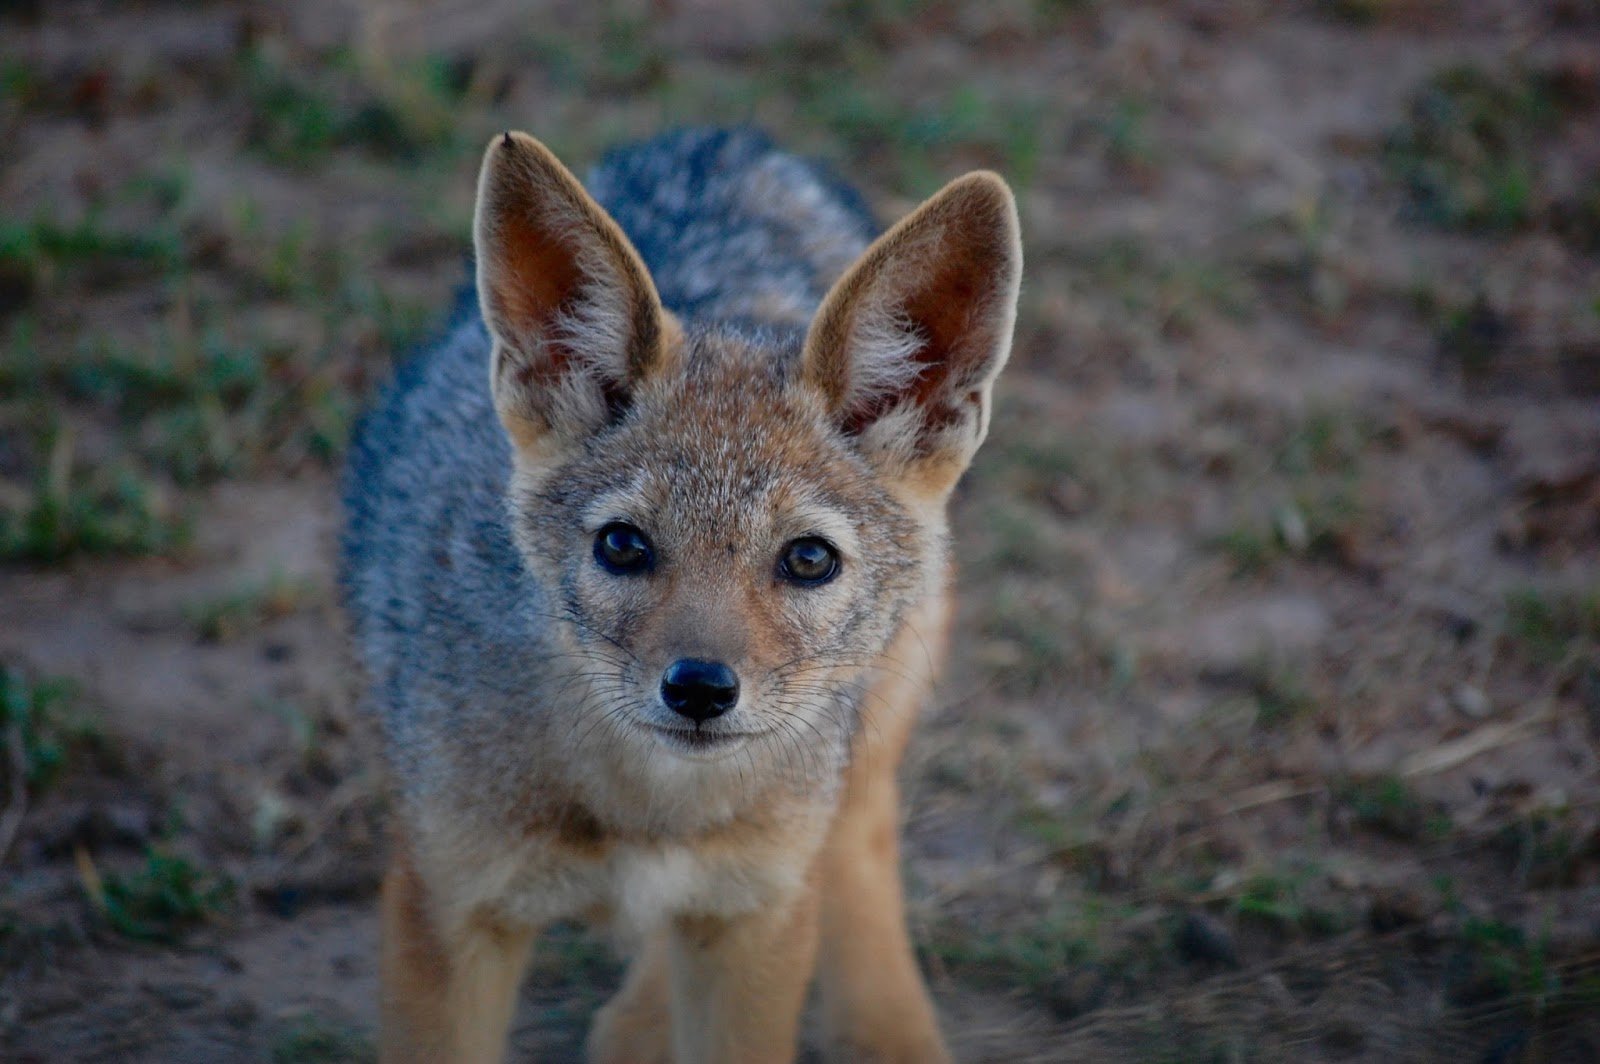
column 700, row 740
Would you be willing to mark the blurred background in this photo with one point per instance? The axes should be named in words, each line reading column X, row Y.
column 1272, row 728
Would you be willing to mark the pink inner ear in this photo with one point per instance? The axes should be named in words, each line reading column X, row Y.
column 947, row 309
column 536, row 279
column 540, row 282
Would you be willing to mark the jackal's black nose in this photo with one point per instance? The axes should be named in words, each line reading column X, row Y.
column 699, row 689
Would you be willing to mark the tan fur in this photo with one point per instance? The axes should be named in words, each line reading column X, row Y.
column 449, row 988
column 738, row 879
column 874, row 1005
column 635, row 1026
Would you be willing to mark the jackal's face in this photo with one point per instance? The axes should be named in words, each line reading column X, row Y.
column 727, row 565
column 733, row 529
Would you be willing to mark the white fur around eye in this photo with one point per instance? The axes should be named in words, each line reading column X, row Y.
column 629, row 503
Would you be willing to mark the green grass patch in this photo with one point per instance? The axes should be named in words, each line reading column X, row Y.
column 171, row 372
column 1324, row 441
column 1130, row 142
column 43, row 243
column 71, row 510
column 1466, row 154
column 1316, row 524
column 1500, row 968
column 20, row 82
column 37, row 729
column 1278, row 695
column 1074, row 841
column 166, row 897
column 1293, row 896
column 398, row 112
column 227, row 617
column 190, row 399
column 922, row 142
column 314, row 1039
column 1388, row 805
column 1554, row 626
column 1033, row 954
column 1505, row 957
column 199, row 408
column 621, row 55
column 1250, row 549
column 1545, row 848
column 209, row 405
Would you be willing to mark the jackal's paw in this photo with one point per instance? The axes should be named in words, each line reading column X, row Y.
column 901, row 1047
column 623, row 1035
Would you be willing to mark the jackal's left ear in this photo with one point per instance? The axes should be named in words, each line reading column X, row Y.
column 575, row 319
column 907, row 345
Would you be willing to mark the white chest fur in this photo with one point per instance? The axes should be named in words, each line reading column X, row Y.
column 641, row 886
column 637, row 886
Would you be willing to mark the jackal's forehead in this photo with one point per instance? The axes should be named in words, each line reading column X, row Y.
column 734, row 463
column 727, row 507
column 728, row 454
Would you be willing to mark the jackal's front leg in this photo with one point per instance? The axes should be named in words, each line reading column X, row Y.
column 635, row 1026
column 448, row 992
column 873, row 1002
column 738, row 985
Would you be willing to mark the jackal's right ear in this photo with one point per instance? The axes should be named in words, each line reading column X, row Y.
column 575, row 319
column 907, row 344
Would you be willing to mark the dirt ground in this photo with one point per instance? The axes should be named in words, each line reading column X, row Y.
column 1273, row 726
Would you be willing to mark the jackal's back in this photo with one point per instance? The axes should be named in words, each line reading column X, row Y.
column 730, row 227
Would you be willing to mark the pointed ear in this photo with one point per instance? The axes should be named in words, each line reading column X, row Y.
column 908, row 343
column 575, row 320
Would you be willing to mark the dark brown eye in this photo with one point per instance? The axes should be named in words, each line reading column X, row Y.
column 809, row 560
column 622, row 549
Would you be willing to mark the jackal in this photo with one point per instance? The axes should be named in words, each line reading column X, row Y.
column 647, row 563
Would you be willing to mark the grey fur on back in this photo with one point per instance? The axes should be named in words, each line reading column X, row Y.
column 445, row 617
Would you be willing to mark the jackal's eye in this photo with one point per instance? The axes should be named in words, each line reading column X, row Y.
column 621, row 548
column 809, row 560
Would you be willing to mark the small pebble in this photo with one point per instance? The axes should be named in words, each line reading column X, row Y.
column 1471, row 701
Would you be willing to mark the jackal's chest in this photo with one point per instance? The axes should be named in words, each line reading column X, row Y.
column 639, row 886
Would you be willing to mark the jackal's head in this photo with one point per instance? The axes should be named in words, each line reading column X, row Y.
column 734, row 523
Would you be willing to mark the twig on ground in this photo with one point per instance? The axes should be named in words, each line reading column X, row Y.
column 1480, row 741
column 1440, row 758
column 93, row 885
column 1267, row 794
